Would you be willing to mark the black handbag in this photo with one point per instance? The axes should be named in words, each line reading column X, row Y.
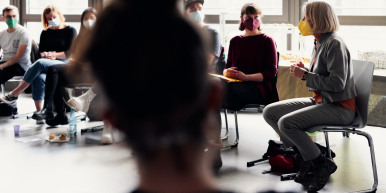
column 8, row 109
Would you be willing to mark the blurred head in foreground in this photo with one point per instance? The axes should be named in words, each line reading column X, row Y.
column 154, row 76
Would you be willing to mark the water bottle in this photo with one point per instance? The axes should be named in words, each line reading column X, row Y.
column 72, row 129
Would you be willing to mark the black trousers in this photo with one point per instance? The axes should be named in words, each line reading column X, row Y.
column 239, row 94
column 10, row 72
column 56, row 81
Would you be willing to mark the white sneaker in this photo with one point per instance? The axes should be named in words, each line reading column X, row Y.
column 107, row 135
column 82, row 103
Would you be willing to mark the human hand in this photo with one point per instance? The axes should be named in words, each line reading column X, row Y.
column 300, row 64
column 233, row 73
column 51, row 55
column 226, row 71
column 296, row 71
column 43, row 54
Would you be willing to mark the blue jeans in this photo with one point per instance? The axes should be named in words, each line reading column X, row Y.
column 36, row 76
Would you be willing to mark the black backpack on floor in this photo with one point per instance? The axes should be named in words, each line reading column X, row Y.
column 284, row 159
column 8, row 109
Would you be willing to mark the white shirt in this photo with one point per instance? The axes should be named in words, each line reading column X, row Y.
column 10, row 42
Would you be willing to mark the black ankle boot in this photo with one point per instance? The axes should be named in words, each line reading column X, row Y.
column 323, row 170
column 44, row 114
column 59, row 119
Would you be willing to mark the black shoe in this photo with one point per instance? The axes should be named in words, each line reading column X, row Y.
column 44, row 114
column 217, row 166
column 306, row 167
column 57, row 120
column 217, row 162
column 321, row 174
column 9, row 98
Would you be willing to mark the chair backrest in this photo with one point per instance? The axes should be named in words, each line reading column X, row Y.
column 277, row 74
column 220, row 65
column 363, row 76
column 35, row 55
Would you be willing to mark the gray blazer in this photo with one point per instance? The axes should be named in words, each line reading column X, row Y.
column 333, row 74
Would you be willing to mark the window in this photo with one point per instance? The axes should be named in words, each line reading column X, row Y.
column 72, row 7
column 224, row 15
column 228, row 11
column 361, row 39
column 363, row 25
column 358, row 7
column 273, row 7
column 354, row 16
column 3, row 3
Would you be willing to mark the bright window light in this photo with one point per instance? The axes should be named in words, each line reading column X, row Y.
column 358, row 7
column 71, row 7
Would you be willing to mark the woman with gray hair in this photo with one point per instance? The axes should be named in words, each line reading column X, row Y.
column 330, row 78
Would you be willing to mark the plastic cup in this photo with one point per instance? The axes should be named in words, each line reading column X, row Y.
column 16, row 129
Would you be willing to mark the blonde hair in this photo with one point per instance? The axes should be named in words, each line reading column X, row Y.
column 322, row 16
column 47, row 10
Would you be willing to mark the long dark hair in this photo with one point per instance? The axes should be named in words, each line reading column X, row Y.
column 86, row 11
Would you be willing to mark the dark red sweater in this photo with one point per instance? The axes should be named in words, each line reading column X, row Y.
column 254, row 54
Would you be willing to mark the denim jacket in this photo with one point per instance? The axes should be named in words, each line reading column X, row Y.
column 332, row 73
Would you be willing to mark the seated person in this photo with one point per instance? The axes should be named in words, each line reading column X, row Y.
column 194, row 13
column 56, row 79
column 16, row 45
column 54, row 47
column 330, row 78
column 167, row 112
column 252, row 58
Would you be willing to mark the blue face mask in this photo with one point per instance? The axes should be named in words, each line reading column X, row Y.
column 197, row 16
column 54, row 22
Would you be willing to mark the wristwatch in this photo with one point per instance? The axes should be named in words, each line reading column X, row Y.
column 305, row 75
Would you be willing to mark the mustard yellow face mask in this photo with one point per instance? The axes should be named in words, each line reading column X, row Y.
column 305, row 28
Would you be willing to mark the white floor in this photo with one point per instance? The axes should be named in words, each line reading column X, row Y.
column 87, row 166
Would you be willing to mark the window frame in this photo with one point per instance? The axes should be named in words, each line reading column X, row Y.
column 292, row 14
column 352, row 19
column 286, row 17
column 24, row 17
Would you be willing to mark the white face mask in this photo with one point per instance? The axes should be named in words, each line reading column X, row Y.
column 89, row 24
column 55, row 22
column 197, row 16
